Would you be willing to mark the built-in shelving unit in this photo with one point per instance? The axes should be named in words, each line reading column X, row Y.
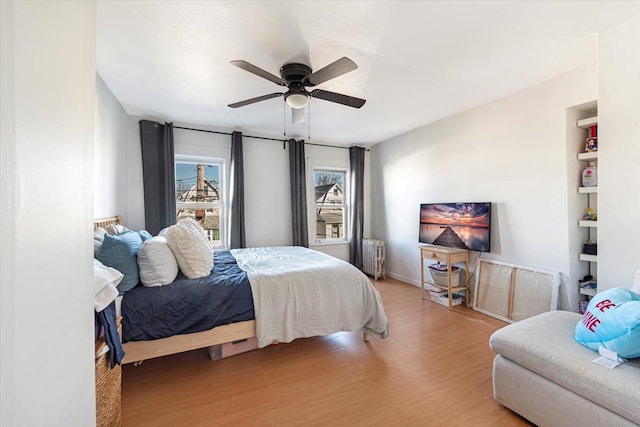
column 588, row 288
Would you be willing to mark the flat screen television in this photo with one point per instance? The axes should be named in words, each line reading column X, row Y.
column 456, row 225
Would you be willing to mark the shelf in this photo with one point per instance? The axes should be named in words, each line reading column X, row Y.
column 588, row 292
column 588, row 122
column 589, row 155
column 453, row 288
column 585, row 190
column 590, row 258
column 587, row 223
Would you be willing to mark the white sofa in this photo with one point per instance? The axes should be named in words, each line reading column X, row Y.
column 543, row 374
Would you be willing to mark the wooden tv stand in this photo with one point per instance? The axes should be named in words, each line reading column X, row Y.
column 447, row 256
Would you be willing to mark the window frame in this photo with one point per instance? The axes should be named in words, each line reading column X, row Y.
column 221, row 205
column 345, row 205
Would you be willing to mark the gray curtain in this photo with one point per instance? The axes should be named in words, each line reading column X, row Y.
column 236, row 189
column 158, row 173
column 298, row 193
column 356, row 160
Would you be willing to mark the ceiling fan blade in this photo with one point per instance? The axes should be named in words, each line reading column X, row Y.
column 350, row 101
column 258, row 72
column 297, row 115
column 256, row 99
column 333, row 70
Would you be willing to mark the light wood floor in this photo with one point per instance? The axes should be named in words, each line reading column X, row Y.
column 433, row 370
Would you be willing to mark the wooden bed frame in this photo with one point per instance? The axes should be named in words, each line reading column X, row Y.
column 138, row 351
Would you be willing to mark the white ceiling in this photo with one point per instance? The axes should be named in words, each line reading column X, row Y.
column 418, row 61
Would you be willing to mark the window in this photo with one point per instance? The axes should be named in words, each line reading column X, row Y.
column 330, row 205
column 199, row 195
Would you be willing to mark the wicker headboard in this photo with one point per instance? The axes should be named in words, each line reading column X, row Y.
column 104, row 222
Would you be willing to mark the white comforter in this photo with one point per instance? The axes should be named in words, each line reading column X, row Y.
column 299, row 292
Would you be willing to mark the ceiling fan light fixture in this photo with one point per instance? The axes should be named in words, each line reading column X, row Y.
column 297, row 100
column 296, row 77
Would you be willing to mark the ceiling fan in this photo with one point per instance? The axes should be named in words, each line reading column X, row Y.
column 297, row 77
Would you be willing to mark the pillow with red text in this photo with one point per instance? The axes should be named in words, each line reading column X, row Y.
column 612, row 321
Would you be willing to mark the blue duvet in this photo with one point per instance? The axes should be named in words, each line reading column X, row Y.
column 189, row 305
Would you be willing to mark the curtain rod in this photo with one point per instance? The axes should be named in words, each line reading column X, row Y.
column 260, row 137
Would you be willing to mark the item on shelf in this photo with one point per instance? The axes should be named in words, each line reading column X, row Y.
column 444, row 299
column 592, row 140
column 428, row 287
column 438, row 273
column 589, row 284
column 586, row 278
column 590, row 248
column 582, row 306
column 590, row 215
column 435, row 295
column 590, row 175
column 435, row 291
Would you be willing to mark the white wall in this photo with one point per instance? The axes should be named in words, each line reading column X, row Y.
column 48, row 115
column 511, row 152
column 134, row 216
column 619, row 155
column 267, row 199
column 110, row 155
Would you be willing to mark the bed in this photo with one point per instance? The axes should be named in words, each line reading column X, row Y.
column 292, row 292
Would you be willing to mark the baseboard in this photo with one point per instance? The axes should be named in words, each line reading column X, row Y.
column 405, row 279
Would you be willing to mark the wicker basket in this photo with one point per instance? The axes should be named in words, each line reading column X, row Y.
column 108, row 405
column 440, row 277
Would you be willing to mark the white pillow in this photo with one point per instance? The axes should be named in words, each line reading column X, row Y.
column 195, row 225
column 191, row 249
column 156, row 264
column 115, row 229
column 98, row 237
column 98, row 234
column 105, row 280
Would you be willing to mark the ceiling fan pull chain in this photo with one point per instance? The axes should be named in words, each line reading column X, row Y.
column 284, row 119
column 309, row 120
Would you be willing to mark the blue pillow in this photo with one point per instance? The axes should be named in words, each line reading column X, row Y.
column 612, row 321
column 120, row 252
column 145, row 235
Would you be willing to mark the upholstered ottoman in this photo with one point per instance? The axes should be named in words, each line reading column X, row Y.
column 543, row 374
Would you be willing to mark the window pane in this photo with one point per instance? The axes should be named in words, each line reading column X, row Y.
column 329, row 223
column 328, row 186
column 209, row 219
column 197, row 182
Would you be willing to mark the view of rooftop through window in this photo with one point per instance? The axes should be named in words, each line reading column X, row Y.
column 197, row 182
column 198, row 196
column 329, row 204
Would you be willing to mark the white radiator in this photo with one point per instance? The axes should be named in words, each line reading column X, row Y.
column 373, row 258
